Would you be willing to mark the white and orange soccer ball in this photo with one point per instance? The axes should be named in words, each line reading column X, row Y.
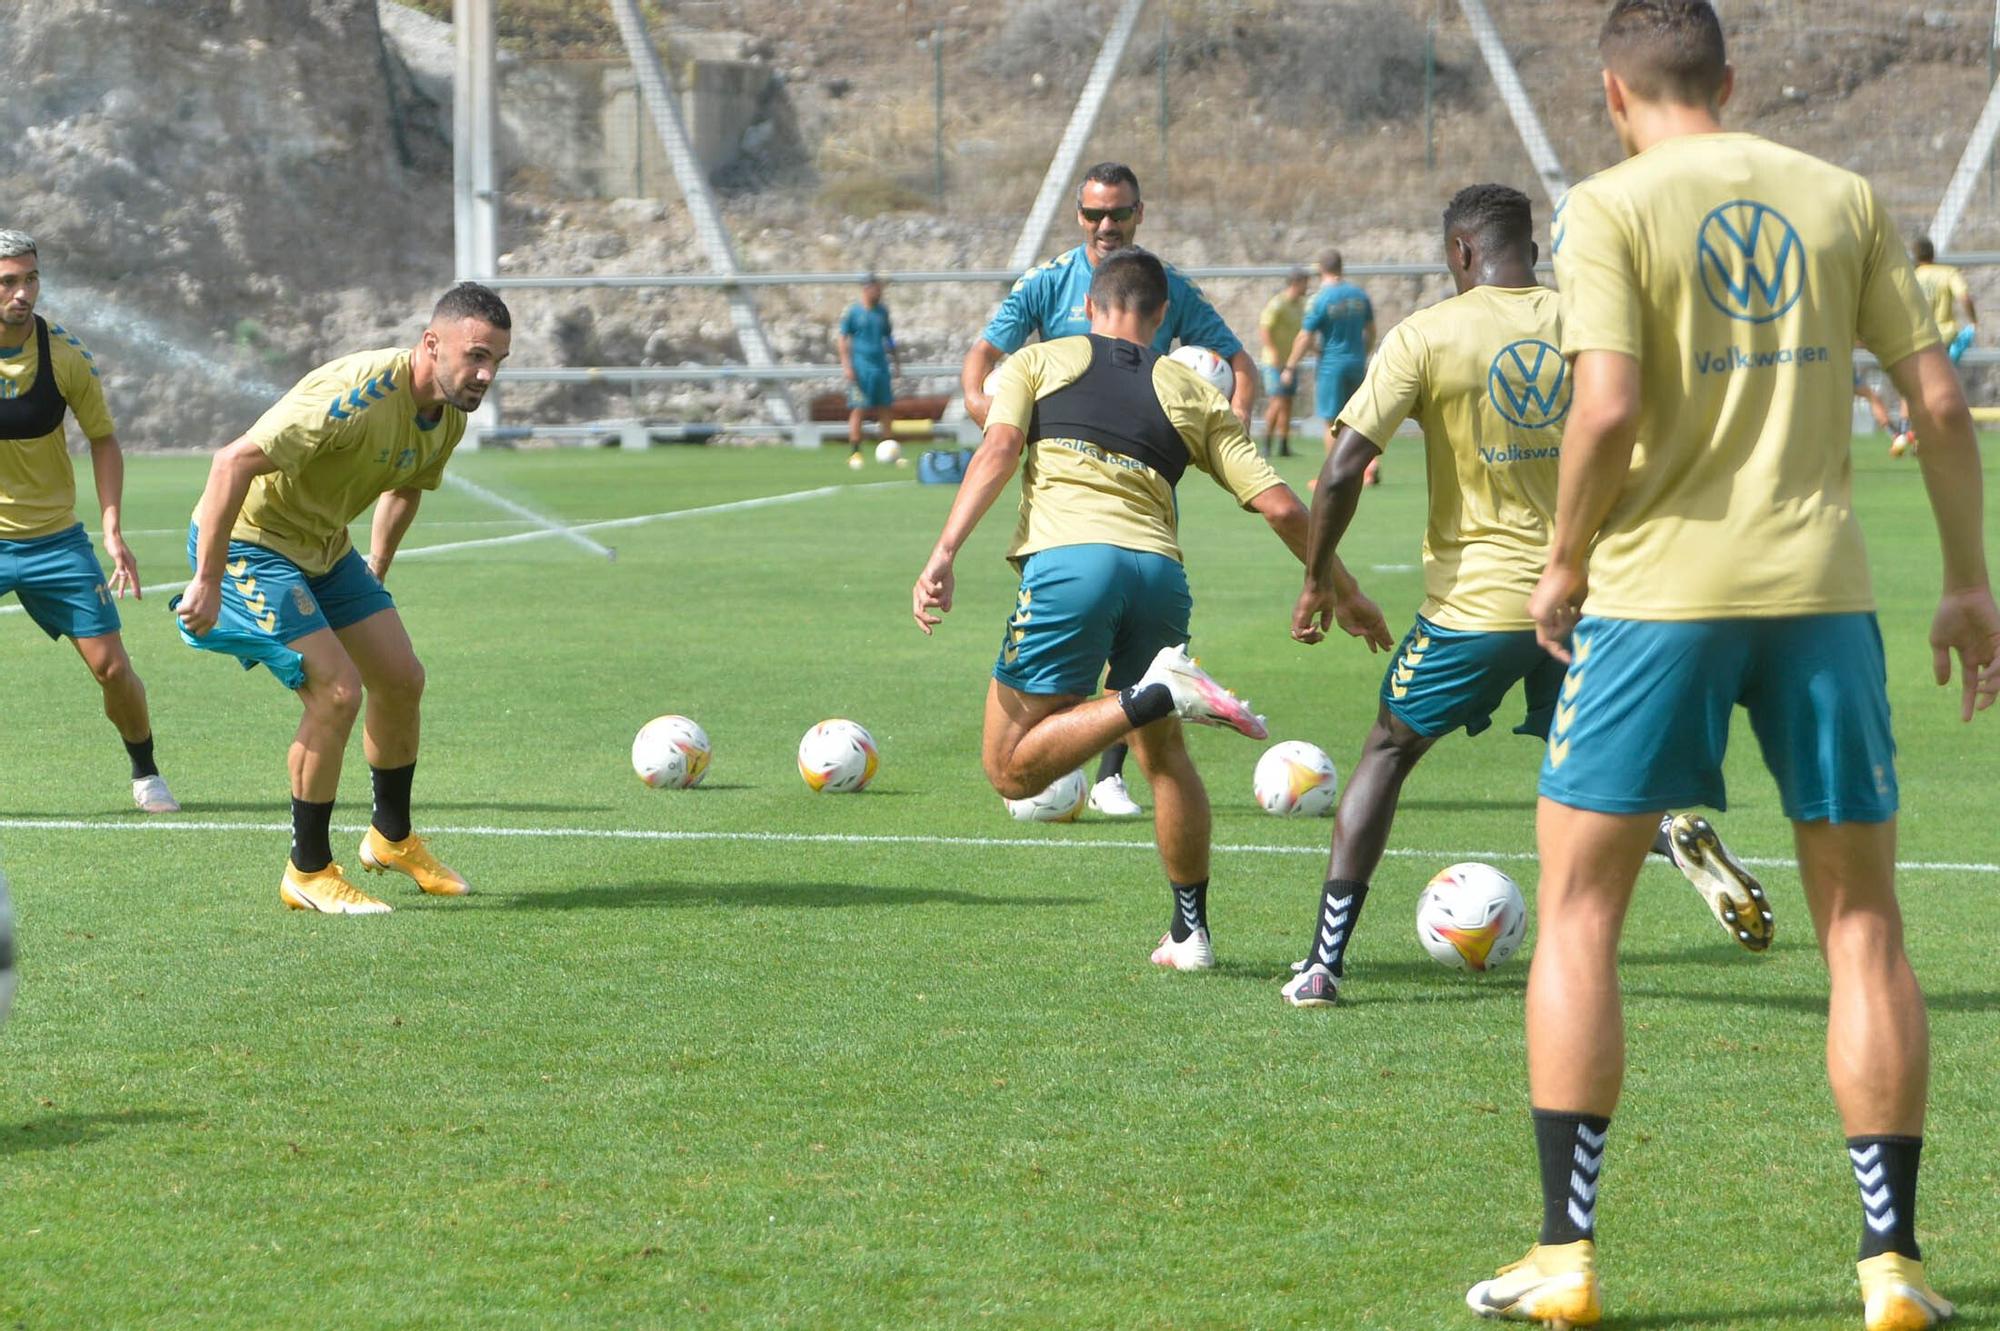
column 1295, row 778
column 1209, row 366
column 1471, row 917
column 671, row 753
column 838, row 757
column 1060, row 803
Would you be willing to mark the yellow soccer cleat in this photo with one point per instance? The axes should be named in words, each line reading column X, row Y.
column 412, row 857
column 326, row 891
column 1553, row 1287
column 1896, row 1297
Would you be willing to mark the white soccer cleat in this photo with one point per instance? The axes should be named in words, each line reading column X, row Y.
column 1313, row 986
column 1896, row 1295
column 1904, row 443
column 150, row 793
column 1199, row 698
column 1192, row 953
column 1733, row 894
column 1111, row 798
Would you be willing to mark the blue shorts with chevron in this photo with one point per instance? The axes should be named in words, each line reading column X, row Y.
column 269, row 602
column 60, row 583
column 1441, row 679
column 1082, row 608
column 1644, row 717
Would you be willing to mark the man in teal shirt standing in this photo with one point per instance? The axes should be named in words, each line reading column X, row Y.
column 867, row 344
column 1341, row 319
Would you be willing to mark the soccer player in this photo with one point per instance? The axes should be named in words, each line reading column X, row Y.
column 1482, row 374
column 1706, row 555
column 1277, row 328
column 1341, row 322
column 45, row 557
column 1108, row 426
column 1945, row 292
column 1048, row 302
column 277, row 581
column 867, row 344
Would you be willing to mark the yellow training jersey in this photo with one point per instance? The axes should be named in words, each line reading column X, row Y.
column 37, row 483
column 1110, row 426
column 1282, row 319
column 345, row 434
column 1484, row 375
column 1944, row 291
column 1738, row 273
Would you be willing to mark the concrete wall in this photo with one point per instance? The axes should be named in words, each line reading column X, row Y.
column 720, row 101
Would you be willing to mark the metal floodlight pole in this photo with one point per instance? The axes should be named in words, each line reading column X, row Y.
column 475, row 182
column 1951, row 211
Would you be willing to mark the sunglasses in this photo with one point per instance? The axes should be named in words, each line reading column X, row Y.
column 1096, row 215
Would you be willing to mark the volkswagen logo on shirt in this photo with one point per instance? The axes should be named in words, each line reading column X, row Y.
column 1753, row 264
column 1529, row 384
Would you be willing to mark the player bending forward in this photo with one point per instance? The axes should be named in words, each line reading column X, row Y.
column 1108, row 426
column 1482, row 374
column 277, row 582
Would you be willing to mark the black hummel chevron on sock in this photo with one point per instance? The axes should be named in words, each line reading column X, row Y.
column 1340, row 904
column 1112, row 762
column 312, row 850
column 1571, row 1148
column 1190, row 910
column 1886, row 1170
column 141, row 754
column 392, row 800
column 1143, row 706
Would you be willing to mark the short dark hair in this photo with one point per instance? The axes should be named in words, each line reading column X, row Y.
column 469, row 300
column 1924, row 250
column 1133, row 280
column 1330, row 261
column 1108, row 173
column 1498, row 216
column 1665, row 50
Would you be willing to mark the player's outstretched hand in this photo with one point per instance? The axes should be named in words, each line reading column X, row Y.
column 1555, row 606
column 1312, row 616
column 1968, row 623
column 1361, row 618
column 124, row 568
column 199, row 606
column 932, row 593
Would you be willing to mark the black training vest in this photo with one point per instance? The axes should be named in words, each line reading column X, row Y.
column 1112, row 404
column 39, row 411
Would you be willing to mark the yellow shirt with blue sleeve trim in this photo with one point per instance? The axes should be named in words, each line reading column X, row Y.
column 1738, row 273
column 1282, row 318
column 1483, row 374
column 1077, row 493
column 37, row 482
column 346, row 433
column 1944, row 290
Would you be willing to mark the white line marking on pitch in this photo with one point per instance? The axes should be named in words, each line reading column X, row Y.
column 855, row 839
column 526, row 514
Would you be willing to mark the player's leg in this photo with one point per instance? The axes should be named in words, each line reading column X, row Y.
column 1182, row 828
column 125, row 706
column 330, row 699
column 1030, row 740
column 853, row 435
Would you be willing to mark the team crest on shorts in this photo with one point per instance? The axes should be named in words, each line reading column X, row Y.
column 302, row 600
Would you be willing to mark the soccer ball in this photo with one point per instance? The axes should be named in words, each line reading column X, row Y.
column 7, row 976
column 670, row 753
column 1060, row 803
column 1296, row 778
column 1471, row 917
column 838, row 757
column 888, row 452
column 1209, row 366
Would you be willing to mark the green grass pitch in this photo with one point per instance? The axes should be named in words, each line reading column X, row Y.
column 889, row 1060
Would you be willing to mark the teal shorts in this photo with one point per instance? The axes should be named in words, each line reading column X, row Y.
column 60, row 583
column 1645, row 711
column 1083, row 607
column 871, row 388
column 1961, row 342
column 1338, row 380
column 1441, row 679
column 1274, row 382
column 268, row 602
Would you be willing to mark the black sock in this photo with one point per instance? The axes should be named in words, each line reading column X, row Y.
column 392, row 800
column 311, row 827
column 1190, row 910
column 1340, row 903
column 1886, row 1169
column 141, row 753
column 1571, row 1147
column 1143, row 706
column 1112, row 763
column 1662, row 840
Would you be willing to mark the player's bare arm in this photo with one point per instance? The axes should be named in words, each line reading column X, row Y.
column 1330, row 594
column 1245, row 395
column 991, row 469
column 107, row 466
column 1967, row 623
column 979, row 363
column 1596, row 456
column 229, row 477
column 394, row 512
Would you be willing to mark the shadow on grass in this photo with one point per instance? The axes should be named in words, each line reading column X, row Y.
column 1814, row 1005
column 1440, row 984
column 277, row 809
column 1463, row 806
column 641, row 896
column 63, row 1130
column 1830, row 1311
